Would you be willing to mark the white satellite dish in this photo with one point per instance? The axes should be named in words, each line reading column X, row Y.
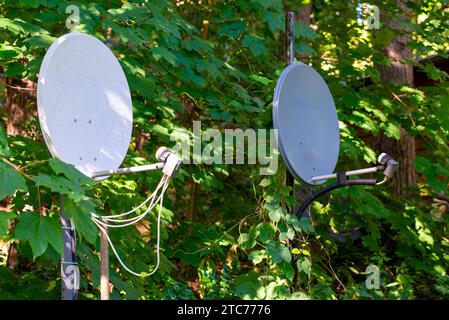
column 85, row 112
column 304, row 114
column 84, row 104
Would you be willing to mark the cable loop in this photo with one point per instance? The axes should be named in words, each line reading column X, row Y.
column 103, row 223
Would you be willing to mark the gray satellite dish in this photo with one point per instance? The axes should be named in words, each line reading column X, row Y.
column 304, row 114
column 84, row 104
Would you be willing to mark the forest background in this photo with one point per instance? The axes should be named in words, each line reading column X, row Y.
column 227, row 231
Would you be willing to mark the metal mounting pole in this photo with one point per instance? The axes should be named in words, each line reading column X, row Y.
column 304, row 191
column 289, row 55
column 104, row 265
column 70, row 276
column 289, row 24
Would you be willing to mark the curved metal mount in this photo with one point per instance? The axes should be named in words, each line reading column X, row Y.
column 387, row 164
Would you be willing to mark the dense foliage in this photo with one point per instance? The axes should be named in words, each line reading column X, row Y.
column 227, row 231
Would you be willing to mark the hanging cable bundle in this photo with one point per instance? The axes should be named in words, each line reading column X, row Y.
column 169, row 165
column 113, row 221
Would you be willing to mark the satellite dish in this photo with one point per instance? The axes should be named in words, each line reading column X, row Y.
column 304, row 114
column 84, row 104
column 85, row 113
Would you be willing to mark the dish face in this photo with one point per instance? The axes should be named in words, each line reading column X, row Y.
column 306, row 119
column 84, row 104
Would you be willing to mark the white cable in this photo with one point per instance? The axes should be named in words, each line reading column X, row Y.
column 151, row 197
column 130, row 220
column 160, row 199
column 131, row 211
column 138, row 207
column 385, row 179
column 133, row 221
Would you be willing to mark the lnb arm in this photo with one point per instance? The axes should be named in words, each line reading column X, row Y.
column 169, row 164
column 387, row 164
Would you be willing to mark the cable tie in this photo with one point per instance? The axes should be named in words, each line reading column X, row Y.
column 342, row 178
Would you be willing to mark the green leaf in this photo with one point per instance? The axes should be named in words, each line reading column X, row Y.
column 4, row 218
column 233, row 29
column 32, row 3
column 12, row 26
column 424, row 234
column 257, row 256
column 61, row 185
column 303, row 224
column 303, row 31
column 255, row 44
column 276, row 215
column 278, row 252
column 80, row 214
column 264, row 183
column 266, row 231
column 159, row 130
column 188, row 74
column 161, row 52
column 39, row 232
column 248, row 286
column 293, row 221
column 285, row 232
column 295, row 251
column 8, row 54
column 40, row 41
column 261, row 79
column 287, row 270
column 276, row 21
column 15, row 69
column 144, row 86
column 304, row 48
column 267, row 4
column 371, row 241
column 393, row 131
column 10, row 181
column 68, row 170
column 303, row 264
column 4, row 147
column 199, row 45
column 306, row 224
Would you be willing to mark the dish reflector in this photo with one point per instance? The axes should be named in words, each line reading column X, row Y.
column 84, row 104
column 304, row 114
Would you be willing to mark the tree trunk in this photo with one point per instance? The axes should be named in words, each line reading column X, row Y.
column 20, row 108
column 304, row 15
column 194, row 201
column 403, row 150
